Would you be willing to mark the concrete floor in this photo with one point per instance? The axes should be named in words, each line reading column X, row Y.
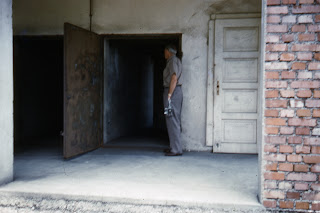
column 134, row 170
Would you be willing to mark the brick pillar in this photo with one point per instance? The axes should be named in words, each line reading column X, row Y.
column 292, row 114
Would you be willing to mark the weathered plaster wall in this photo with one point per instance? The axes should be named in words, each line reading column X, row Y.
column 188, row 17
column 6, row 92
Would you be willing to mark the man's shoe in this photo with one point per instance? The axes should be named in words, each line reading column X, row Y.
column 167, row 150
column 173, row 154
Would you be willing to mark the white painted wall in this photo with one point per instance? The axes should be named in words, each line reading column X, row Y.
column 6, row 93
column 189, row 17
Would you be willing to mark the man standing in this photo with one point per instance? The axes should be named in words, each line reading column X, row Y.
column 173, row 93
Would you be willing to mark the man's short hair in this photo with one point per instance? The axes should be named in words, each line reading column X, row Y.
column 171, row 48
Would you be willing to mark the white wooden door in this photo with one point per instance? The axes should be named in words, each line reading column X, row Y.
column 236, row 85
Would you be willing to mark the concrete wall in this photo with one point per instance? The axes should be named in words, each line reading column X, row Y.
column 188, row 17
column 6, row 92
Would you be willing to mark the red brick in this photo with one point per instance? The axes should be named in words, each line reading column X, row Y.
column 272, row 75
column 270, row 184
column 293, row 195
column 287, row 113
column 315, row 206
column 271, row 113
column 272, row 94
column 272, row 57
column 304, row 56
column 274, row 176
column 304, row 75
column 285, row 149
column 302, row 131
column 287, row 57
column 276, row 84
column 305, row 47
column 286, row 204
column 302, row 149
column 277, row 28
column 315, row 168
column 317, row 56
column 286, row 130
column 303, row 113
column 278, row 47
column 286, row 38
column 311, row 159
column 315, row 150
column 289, row 1
column 306, row 37
column 275, row 157
column 318, row 37
column 276, row 121
column 285, row 185
column 301, row 186
column 317, row 18
column 305, row 84
column 314, row 66
column 306, row 9
column 305, row 19
column 304, row 93
column 295, row 140
column 316, row 93
column 312, row 103
column 273, row 19
column 276, row 66
column 314, row 28
column 271, row 166
column 311, row 196
column 270, row 203
column 288, row 75
column 287, row 93
column 298, row 28
column 299, row 66
column 302, row 122
column 316, row 113
column 315, row 187
column 294, row 103
column 311, row 141
column 277, row 10
column 302, row 177
column 294, row 158
column 272, row 38
column 274, row 194
column 301, row 168
column 306, row 1
column 289, row 19
column 276, row 103
column 302, row 205
column 286, row 167
column 273, row 2
column 272, row 130
column 270, row 148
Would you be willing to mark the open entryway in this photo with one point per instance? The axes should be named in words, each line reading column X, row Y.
column 133, row 90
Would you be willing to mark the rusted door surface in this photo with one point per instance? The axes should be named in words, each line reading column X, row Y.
column 82, row 91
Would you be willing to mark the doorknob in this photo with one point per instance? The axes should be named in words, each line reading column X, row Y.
column 218, row 87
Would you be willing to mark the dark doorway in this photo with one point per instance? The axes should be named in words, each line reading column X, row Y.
column 133, row 89
column 38, row 91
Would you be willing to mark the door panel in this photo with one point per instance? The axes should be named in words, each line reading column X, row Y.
column 236, row 86
column 82, row 91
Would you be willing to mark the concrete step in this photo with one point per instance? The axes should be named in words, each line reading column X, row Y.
column 45, row 203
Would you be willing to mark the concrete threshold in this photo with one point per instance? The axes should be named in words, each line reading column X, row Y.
column 133, row 179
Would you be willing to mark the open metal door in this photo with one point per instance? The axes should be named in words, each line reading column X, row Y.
column 83, row 75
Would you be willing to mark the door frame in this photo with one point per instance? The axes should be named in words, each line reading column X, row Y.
column 211, row 85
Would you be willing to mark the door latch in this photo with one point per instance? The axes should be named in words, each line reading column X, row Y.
column 218, row 87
